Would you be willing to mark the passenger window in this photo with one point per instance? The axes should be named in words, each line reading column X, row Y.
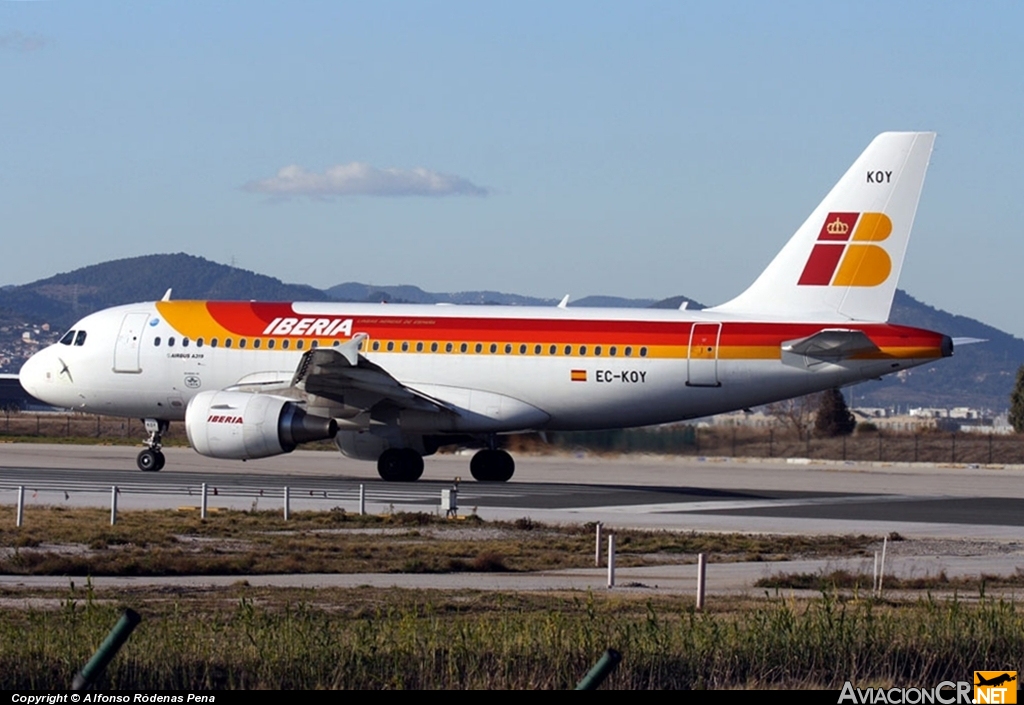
column 448, row 347
column 227, row 342
column 270, row 344
column 256, row 343
column 391, row 345
column 241, row 342
column 494, row 348
column 405, row 346
column 419, row 347
column 629, row 351
column 299, row 344
column 376, row 345
column 199, row 342
column 314, row 343
column 522, row 349
column 284, row 344
column 156, row 342
column 536, row 349
column 68, row 338
column 433, row 347
column 508, row 348
column 583, row 350
column 568, row 350
column 184, row 342
column 597, row 350
column 463, row 347
column 643, row 352
column 613, row 351
column 479, row 347
column 553, row 350
column 213, row 342
column 170, row 342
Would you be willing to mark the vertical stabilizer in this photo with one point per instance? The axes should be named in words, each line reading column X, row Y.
column 844, row 261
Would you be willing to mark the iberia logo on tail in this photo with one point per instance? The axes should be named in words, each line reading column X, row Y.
column 839, row 259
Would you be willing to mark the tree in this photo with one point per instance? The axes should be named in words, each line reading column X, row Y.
column 1017, row 402
column 833, row 417
column 794, row 413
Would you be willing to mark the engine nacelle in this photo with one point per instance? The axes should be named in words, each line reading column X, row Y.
column 240, row 425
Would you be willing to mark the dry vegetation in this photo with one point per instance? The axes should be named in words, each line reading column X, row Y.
column 59, row 541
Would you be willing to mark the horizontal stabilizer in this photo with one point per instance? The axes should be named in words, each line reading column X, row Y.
column 831, row 345
column 957, row 342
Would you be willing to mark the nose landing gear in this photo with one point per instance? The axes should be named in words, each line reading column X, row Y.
column 152, row 459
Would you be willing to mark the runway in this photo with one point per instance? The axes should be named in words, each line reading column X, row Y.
column 960, row 520
column 679, row 493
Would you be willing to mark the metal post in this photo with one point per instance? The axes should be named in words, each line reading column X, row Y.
column 21, row 506
column 287, row 498
column 202, row 505
column 362, row 500
column 733, row 441
column 952, row 457
column 771, row 437
column 874, row 574
column 916, row 439
column 990, row 448
column 879, row 445
column 844, row 447
column 597, row 545
column 611, row 560
column 881, row 565
column 108, row 649
column 702, row 571
column 601, row 670
column 113, row 505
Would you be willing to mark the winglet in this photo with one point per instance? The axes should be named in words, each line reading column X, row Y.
column 167, row 295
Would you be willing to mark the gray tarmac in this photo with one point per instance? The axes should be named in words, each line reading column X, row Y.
column 961, row 520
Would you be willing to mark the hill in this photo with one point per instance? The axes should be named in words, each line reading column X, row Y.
column 34, row 314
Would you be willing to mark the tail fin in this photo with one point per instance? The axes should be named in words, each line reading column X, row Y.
column 844, row 261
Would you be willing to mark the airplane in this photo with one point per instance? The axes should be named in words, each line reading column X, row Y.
column 393, row 383
column 996, row 680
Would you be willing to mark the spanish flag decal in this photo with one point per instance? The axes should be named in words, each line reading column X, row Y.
column 578, row 376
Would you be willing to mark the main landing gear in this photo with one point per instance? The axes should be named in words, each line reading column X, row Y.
column 406, row 465
column 400, row 465
column 152, row 459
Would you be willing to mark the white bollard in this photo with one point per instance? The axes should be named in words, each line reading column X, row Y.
column 362, row 500
column 611, row 560
column 597, row 546
column 287, row 501
column 113, row 505
column 702, row 571
column 881, row 565
column 21, row 506
column 202, row 504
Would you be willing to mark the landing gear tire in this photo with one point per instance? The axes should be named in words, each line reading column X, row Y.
column 400, row 465
column 492, row 466
column 150, row 460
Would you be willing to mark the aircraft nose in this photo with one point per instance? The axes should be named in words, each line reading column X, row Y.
column 33, row 375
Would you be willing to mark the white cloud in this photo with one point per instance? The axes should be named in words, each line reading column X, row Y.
column 22, row 42
column 358, row 179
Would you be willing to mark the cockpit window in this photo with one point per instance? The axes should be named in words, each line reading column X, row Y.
column 68, row 338
column 80, row 338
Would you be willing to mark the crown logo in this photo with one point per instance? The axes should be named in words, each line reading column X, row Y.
column 837, row 227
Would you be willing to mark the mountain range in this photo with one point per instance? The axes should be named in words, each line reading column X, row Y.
column 980, row 375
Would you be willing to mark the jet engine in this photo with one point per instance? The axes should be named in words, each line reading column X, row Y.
column 240, row 425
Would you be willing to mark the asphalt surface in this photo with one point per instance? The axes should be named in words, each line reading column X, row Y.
column 964, row 520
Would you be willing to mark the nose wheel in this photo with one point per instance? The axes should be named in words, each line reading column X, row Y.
column 152, row 459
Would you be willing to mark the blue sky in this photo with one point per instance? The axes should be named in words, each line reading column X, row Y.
column 635, row 149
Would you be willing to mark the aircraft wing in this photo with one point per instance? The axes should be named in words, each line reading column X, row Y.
column 831, row 345
column 340, row 374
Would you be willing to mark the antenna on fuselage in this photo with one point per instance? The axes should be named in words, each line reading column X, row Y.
column 167, row 295
column 682, row 306
column 564, row 302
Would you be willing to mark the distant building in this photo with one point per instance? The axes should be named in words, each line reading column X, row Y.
column 12, row 396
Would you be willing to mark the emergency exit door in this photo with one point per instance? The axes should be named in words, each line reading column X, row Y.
column 702, row 365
